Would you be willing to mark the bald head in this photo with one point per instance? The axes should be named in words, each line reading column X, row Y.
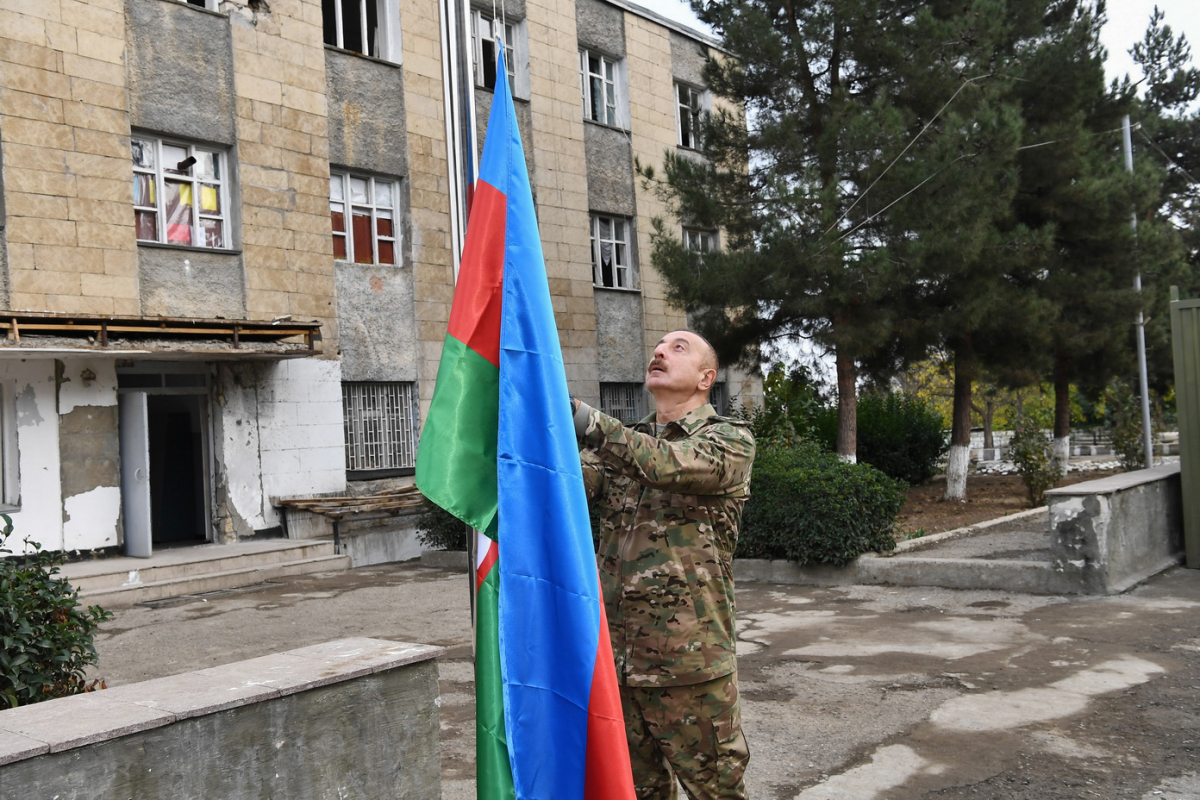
column 683, row 369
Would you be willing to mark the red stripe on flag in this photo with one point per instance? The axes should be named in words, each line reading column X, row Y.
column 488, row 560
column 607, row 774
column 475, row 314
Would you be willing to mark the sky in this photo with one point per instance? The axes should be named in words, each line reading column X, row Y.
column 1127, row 20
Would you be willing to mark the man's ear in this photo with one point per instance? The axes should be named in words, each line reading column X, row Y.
column 707, row 379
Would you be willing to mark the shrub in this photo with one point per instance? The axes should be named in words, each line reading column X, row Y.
column 900, row 435
column 1125, row 418
column 441, row 530
column 1029, row 450
column 45, row 634
column 809, row 507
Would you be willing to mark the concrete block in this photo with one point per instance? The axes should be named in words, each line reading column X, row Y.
column 71, row 722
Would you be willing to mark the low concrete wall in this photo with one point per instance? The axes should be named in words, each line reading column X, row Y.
column 1111, row 533
column 349, row 718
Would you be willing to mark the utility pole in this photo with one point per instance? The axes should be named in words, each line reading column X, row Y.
column 1140, row 323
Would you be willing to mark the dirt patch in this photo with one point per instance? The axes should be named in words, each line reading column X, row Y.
column 988, row 497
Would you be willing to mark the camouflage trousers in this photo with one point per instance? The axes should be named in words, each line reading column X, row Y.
column 693, row 733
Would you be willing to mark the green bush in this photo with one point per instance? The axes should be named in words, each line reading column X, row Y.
column 1029, row 450
column 45, row 634
column 440, row 530
column 898, row 434
column 809, row 507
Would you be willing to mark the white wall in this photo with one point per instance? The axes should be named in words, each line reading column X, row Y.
column 30, row 385
column 91, row 518
column 280, row 435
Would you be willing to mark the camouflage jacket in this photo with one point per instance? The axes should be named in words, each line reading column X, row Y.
column 670, row 508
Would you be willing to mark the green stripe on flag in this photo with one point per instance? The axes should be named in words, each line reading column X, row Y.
column 456, row 461
column 493, row 775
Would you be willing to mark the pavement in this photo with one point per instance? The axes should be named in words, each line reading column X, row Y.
column 850, row 692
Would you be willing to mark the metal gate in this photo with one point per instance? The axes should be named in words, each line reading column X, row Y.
column 1185, row 339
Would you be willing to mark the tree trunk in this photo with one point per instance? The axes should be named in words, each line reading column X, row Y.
column 989, row 413
column 847, row 433
column 960, row 432
column 1062, row 417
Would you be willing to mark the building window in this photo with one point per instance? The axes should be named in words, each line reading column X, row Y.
column 363, row 211
column 718, row 398
column 485, row 30
column 179, row 193
column 625, row 401
column 370, row 27
column 699, row 240
column 598, row 82
column 380, row 421
column 610, row 252
column 689, row 102
column 211, row 5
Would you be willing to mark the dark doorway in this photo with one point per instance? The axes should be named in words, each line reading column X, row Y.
column 177, row 464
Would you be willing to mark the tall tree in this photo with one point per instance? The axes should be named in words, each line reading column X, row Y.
column 1074, row 187
column 788, row 182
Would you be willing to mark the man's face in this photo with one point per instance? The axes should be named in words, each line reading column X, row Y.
column 681, row 364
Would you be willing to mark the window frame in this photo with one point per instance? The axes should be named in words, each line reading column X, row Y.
column 515, row 58
column 401, row 418
column 10, row 463
column 387, row 30
column 694, row 236
column 161, row 177
column 698, row 104
column 616, row 117
column 620, row 245
column 634, row 392
column 345, row 180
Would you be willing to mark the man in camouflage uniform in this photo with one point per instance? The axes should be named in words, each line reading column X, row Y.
column 671, row 490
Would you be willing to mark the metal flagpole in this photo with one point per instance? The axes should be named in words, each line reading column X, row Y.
column 1140, row 323
column 461, row 164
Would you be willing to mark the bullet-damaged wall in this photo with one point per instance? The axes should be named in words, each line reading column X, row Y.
column 90, row 453
column 28, row 391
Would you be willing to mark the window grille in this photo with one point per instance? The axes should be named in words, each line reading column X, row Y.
column 625, row 401
column 717, row 398
column 610, row 253
column 363, row 215
column 380, row 420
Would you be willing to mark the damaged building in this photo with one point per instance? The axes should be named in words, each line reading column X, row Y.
column 228, row 237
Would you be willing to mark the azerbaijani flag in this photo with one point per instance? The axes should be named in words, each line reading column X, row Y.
column 498, row 451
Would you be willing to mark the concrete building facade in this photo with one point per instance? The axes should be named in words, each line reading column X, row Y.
column 226, row 260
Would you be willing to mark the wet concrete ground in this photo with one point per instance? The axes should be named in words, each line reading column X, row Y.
column 851, row 693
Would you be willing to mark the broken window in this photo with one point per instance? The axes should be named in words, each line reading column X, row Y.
column 363, row 213
column 179, row 193
column 610, row 252
column 599, row 78
column 380, row 420
column 485, row 31
column 689, row 102
column 369, row 27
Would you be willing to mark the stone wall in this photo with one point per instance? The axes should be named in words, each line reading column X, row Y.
column 349, row 718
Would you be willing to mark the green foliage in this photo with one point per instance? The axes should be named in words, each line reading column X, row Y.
column 45, row 634
column 441, row 530
column 899, row 434
column 809, row 507
column 1125, row 425
column 791, row 403
column 1029, row 450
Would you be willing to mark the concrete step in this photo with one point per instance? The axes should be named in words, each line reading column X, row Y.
column 127, row 594
column 179, row 562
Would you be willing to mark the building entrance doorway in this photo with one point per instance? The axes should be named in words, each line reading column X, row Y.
column 165, row 475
